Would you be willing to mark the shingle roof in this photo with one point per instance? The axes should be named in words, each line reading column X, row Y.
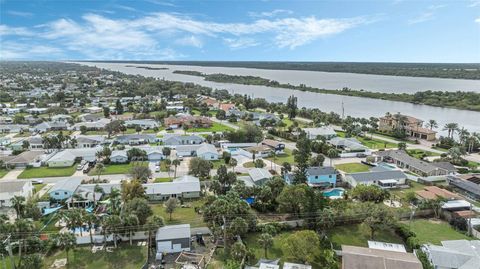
column 257, row 174
column 360, row 258
column 13, row 186
column 206, row 148
column 376, row 176
column 462, row 254
column 402, row 156
column 69, row 184
column 323, row 170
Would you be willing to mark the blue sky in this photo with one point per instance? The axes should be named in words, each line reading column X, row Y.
column 382, row 30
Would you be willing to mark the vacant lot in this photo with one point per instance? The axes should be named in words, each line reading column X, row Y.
column 114, row 169
column 358, row 235
column 353, row 167
column 287, row 156
column 216, row 127
column 181, row 215
column 433, row 231
column 41, row 172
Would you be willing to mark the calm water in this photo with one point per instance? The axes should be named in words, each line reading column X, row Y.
column 354, row 106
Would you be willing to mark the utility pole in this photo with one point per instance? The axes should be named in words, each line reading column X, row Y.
column 343, row 110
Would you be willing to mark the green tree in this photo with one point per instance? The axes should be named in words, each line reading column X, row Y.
column 292, row 107
column 232, row 163
column 402, row 146
column 99, row 168
column 170, row 206
column 140, row 172
column 238, row 227
column 265, row 240
column 140, row 208
column 302, row 156
column 200, row 167
column 106, row 112
column 119, row 107
column 65, row 241
column 302, row 246
column 18, row 203
column 132, row 189
column 175, row 163
column 369, row 193
column 379, row 218
column 130, row 223
column 112, row 225
column 238, row 251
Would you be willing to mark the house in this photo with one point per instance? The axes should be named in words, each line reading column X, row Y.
column 361, row 258
column 154, row 153
column 90, row 117
column 261, row 151
column 136, row 139
column 207, row 152
column 210, row 102
column 401, row 159
column 186, row 120
column 13, row 128
column 174, row 140
column 144, row 124
column 173, row 239
column 92, row 125
column 36, row 142
column 469, row 183
column 182, row 187
column 10, row 189
column 256, row 176
column 119, row 156
column 68, row 157
column 384, row 179
column 61, row 117
column 186, row 150
column 324, row 132
column 227, row 107
column 277, row 146
column 350, row 147
column 64, row 189
column 412, row 126
column 454, row 254
column 93, row 109
column 324, row 176
column 32, row 157
column 434, row 192
column 89, row 141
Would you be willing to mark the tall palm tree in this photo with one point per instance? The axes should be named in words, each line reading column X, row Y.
column 115, row 201
column 65, row 241
column 233, row 162
column 153, row 223
column 112, row 225
column 432, row 124
column 22, row 228
column 130, row 223
column 175, row 162
column 18, row 203
column 96, row 189
column 463, row 135
column 99, row 168
column 91, row 220
column 332, row 153
column 451, row 128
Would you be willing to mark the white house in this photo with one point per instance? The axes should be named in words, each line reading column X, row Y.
column 144, row 124
column 207, row 152
column 119, row 156
column 67, row 157
column 9, row 189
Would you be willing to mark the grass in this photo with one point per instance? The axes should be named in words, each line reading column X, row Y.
column 38, row 187
column 418, row 153
column 249, row 165
column 41, row 172
column 23, row 134
column 281, row 158
column 216, row 127
column 95, row 133
column 401, row 193
column 181, row 215
column 372, row 143
column 359, row 234
column 434, row 231
column 353, row 167
column 162, row 179
column 3, row 172
column 115, row 169
column 125, row 256
column 274, row 252
column 218, row 163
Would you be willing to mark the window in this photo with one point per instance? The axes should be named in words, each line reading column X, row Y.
column 329, row 176
column 57, row 193
column 65, row 193
column 316, row 177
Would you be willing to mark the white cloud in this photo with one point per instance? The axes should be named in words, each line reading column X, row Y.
column 477, row 20
column 17, row 31
column 15, row 50
column 427, row 15
column 270, row 14
column 474, row 3
column 240, row 43
column 20, row 13
column 191, row 41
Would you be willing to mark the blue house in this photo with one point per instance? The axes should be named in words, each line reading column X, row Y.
column 324, row 176
column 64, row 189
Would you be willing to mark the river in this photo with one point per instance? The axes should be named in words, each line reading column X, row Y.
column 354, row 106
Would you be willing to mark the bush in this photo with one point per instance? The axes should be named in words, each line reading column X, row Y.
column 404, row 231
column 413, row 242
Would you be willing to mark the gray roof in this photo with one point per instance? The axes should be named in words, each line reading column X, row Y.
column 181, row 139
column 206, row 148
column 319, row 171
column 402, row 156
column 322, row 131
column 350, row 143
column 445, row 166
column 173, row 232
column 462, row 254
column 177, row 186
column 257, row 174
column 376, row 176
column 13, row 186
column 69, row 184
column 361, row 258
column 90, row 139
column 121, row 153
column 128, row 137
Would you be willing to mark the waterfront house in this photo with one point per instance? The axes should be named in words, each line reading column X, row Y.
column 412, row 126
column 401, row 159
column 324, row 132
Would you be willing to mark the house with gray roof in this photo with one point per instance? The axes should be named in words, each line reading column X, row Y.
column 207, row 152
column 119, row 156
column 145, row 124
column 256, row 176
column 64, row 189
column 89, row 141
column 349, row 147
column 181, row 187
column 401, row 159
column 173, row 239
column 10, row 189
column 326, row 132
column 186, row 150
column 50, row 126
column 454, row 254
column 383, row 179
column 175, row 140
column 136, row 139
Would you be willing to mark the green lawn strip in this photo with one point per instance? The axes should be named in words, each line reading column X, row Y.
column 372, row 143
column 401, row 193
column 162, row 179
column 41, row 172
column 181, row 215
column 125, row 256
column 218, row 163
column 248, row 165
column 23, row 134
column 353, row 167
column 287, row 156
column 274, row 252
column 418, row 153
column 3, row 172
column 216, row 127
column 358, row 235
column 115, row 169
column 96, row 133
column 433, row 231
column 38, row 187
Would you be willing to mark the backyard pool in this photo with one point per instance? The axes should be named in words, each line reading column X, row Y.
column 334, row 193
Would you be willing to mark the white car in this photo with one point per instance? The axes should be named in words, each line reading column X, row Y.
column 157, row 168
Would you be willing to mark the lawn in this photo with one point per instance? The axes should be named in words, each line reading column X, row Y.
column 414, row 186
column 96, row 133
column 216, row 127
column 353, row 167
column 418, row 153
column 372, row 143
column 249, row 165
column 358, row 235
column 23, row 134
column 274, row 252
column 433, row 231
column 181, row 215
column 125, row 256
column 114, row 169
column 41, row 172
column 281, row 158
column 218, row 163
column 38, row 187
column 162, row 179
column 3, row 172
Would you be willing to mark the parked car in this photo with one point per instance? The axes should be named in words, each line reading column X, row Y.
column 37, row 181
column 80, row 166
column 87, row 169
column 157, row 168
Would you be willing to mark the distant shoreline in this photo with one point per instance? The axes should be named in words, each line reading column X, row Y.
column 467, row 71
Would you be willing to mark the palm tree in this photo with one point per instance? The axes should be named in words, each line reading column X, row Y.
column 112, row 225
column 451, row 128
column 96, row 189
column 233, row 162
column 99, row 168
column 332, row 153
column 153, row 223
column 432, row 124
column 91, row 220
column 463, row 135
column 266, row 241
column 18, row 202
column 22, row 227
column 115, row 201
column 130, row 222
column 65, row 241
column 472, row 140
column 175, row 163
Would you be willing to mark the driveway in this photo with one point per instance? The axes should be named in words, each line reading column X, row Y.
column 13, row 174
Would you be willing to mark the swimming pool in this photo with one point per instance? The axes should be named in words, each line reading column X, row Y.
column 334, row 193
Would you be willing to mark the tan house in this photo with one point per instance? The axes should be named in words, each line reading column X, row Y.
column 179, row 121
column 413, row 126
column 362, row 258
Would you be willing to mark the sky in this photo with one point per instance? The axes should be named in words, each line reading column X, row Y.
column 242, row 30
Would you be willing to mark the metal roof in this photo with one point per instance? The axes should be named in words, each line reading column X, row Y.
column 171, row 232
column 257, row 174
column 377, row 176
column 322, row 170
